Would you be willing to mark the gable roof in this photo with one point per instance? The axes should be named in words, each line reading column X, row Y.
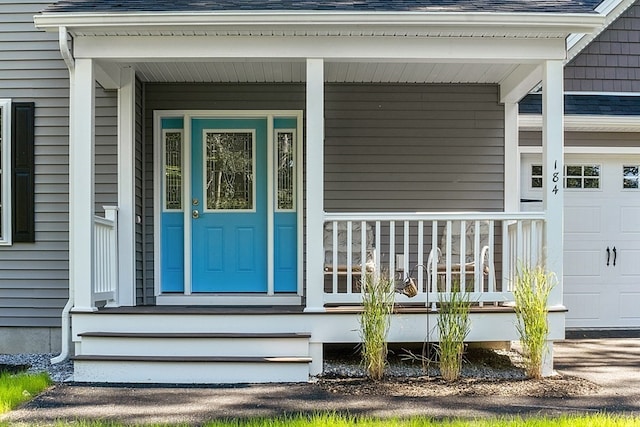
column 504, row 6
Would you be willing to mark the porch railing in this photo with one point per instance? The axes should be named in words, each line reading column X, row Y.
column 478, row 253
column 105, row 273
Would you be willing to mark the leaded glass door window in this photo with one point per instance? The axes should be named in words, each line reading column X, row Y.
column 229, row 166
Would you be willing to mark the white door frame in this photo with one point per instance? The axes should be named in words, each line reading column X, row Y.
column 226, row 299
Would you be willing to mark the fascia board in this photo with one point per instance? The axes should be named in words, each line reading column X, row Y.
column 498, row 23
column 533, row 122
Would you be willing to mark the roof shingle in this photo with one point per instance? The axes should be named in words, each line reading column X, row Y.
column 597, row 105
column 508, row 6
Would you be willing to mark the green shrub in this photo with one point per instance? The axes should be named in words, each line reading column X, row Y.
column 377, row 305
column 454, row 325
column 531, row 293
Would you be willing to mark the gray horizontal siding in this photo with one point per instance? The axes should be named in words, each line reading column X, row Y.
column 413, row 148
column 611, row 63
column 34, row 276
column 586, row 139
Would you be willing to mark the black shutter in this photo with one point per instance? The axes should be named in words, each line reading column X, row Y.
column 23, row 172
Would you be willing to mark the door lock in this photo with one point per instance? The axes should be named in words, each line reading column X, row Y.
column 195, row 202
column 195, row 214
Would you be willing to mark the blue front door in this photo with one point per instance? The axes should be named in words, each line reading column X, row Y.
column 223, row 221
column 229, row 205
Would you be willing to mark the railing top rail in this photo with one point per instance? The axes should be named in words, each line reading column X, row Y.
column 104, row 221
column 432, row 216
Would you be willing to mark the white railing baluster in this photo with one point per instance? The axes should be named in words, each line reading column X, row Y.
column 105, row 257
column 520, row 235
column 334, row 270
column 349, row 257
column 392, row 250
column 420, row 284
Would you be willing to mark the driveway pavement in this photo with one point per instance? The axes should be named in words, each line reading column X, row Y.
column 613, row 363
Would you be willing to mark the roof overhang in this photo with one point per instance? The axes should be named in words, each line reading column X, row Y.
column 527, row 25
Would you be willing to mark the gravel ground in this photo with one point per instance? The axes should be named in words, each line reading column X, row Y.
column 60, row 372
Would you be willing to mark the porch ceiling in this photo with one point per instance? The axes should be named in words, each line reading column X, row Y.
column 335, row 72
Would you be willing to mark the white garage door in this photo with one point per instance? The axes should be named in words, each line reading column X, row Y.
column 601, row 237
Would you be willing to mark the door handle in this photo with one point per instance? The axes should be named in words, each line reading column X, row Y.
column 608, row 255
column 615, row 255
column 195, row 214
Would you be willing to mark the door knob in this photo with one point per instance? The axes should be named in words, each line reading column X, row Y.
column 195, row 214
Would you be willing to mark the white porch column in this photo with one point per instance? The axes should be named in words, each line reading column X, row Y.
column 511, row 160
column 126, row 188
column 81, row 184
column 553, row 166
column 315, row 184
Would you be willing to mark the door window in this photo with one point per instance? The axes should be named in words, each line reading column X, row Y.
column 230, row 171
column 630, row 177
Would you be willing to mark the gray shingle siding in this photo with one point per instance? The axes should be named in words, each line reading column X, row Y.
column 558, row 6
column 611, row 62
column 34, row 276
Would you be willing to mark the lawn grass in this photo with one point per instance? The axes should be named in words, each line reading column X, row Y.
column 18, row 388
column 338, row 420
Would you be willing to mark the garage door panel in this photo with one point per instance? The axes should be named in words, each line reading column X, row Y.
column 583, row 219
column 629, row 303
column 579, row 263
column 630, row 218
column 584, row 306
column 628, row 262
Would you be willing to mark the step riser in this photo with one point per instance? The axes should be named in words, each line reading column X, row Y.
column 194, row 346
column 189, row 373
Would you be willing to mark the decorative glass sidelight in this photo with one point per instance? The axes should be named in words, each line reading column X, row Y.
column 173, row 169
column 286, row 173
column 230, row 169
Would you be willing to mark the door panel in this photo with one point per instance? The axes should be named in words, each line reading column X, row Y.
column 229, row 185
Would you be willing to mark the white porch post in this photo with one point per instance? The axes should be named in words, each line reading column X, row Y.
column 511, row 160
column 315, row 183
column 81, row 184
column 553, row 166
column 126, row 188
column 553, row 161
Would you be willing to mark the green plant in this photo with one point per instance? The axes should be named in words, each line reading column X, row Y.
column 531, row 293
column 18, row 388
column 375, row 320
column 454, row 326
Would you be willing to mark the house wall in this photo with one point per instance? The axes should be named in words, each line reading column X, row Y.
column 586, row 139
column 387, row 147
column 611, row 63
column 34, row 276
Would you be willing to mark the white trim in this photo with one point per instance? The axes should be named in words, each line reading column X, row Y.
column 126, row 216
column 592, row 93
column 230, row 300
column 163, row 192
column 511, row 159
column 254, row 160
column 81, row 185
column 585, row 150
column 295, row 169
column 315, row 184
column 188, row 196
column 451, row 22
column 270, row 209
column 533, row 122
column 5, row 125
column 300, row 198
column 220, row 299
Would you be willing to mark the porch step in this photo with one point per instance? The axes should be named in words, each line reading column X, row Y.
column 191, row 357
